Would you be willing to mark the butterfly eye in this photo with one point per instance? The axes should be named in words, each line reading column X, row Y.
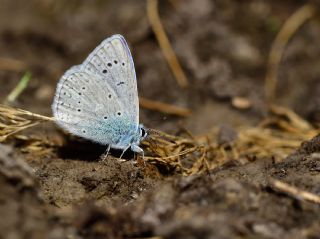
column 143, row 132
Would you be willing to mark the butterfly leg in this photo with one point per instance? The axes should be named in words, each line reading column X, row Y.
column 144, row 162
column 124, row 151
column 137, row 149
column 106, row 153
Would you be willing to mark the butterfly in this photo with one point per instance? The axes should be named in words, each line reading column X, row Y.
column 98, row 99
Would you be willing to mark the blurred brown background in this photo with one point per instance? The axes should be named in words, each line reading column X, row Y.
column 54, row 190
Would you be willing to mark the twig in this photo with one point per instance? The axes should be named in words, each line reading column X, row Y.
column 20, row 87
column 163, row 107
column 8, row 64
column 292, row 24
column 155, row 21
column 294, row 191
column 296, row 121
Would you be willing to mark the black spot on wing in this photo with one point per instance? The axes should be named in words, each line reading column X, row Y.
column 121, row 83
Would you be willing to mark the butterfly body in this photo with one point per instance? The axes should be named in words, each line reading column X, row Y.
column 98, row 100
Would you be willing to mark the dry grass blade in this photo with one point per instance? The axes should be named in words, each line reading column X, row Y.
column 15, row 120
column 12, row 64
column 294, row 191
column 163, row 107
column 292, row 24
column 155, row 21
column 296, row 121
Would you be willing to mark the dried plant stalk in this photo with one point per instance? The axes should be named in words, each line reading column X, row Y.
column 14, row 120
column 289, row 28
column 294, row 191
column 7, row 64
column 155, row 21
column 163, row 107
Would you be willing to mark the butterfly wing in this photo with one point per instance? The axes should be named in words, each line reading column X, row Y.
column 112, row 61
column 99, row 101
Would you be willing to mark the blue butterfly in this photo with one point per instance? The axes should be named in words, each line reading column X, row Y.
column 98, row 100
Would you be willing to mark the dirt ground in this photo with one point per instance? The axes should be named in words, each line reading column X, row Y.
column 65, row 190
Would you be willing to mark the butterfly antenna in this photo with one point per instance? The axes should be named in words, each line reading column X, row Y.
column 154, row 132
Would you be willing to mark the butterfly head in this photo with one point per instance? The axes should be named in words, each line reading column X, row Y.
column 143, row 132
column 137, row 138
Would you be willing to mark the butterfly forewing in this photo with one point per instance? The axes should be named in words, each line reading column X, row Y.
column 112, row 61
